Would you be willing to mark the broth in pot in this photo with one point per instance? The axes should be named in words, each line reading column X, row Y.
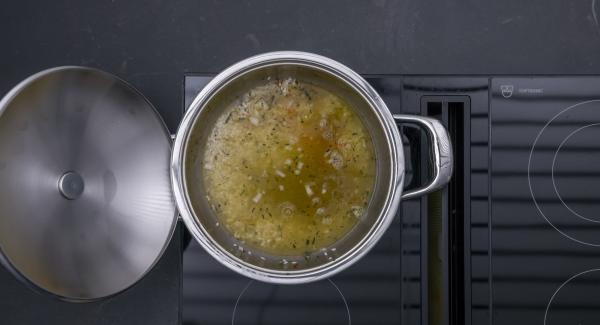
column 289, row 168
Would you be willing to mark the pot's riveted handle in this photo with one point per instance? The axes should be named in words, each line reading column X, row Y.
column 441, row 148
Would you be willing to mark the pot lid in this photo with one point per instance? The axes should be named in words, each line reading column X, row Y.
column 87, row 207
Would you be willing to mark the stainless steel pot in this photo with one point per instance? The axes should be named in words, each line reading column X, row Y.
column 206, row 108
column 88, row 208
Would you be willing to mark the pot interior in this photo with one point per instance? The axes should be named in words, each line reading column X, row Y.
column 236, row 252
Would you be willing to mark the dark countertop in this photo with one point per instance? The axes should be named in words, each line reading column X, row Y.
column 153, row 43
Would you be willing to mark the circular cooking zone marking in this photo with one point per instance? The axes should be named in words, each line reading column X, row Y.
column 263, row 303
column 575, row 301
column 564, row 172
column 593, row 191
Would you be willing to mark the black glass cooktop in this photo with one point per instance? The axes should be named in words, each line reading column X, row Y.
column 530, row 245
column 379, row 289
column 545, row 194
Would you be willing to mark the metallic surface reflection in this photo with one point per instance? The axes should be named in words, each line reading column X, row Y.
column 96, row 233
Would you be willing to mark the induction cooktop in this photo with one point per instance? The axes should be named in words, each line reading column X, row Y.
column 514, row 238
column 545, row 195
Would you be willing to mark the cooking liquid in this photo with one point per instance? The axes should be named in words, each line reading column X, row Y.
column 289, row 168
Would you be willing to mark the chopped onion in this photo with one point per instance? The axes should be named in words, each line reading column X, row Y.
column 309, row 191
column 257, row 197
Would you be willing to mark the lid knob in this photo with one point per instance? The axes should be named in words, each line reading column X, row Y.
column 71, row 185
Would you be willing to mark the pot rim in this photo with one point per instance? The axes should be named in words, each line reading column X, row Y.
column 392, row 138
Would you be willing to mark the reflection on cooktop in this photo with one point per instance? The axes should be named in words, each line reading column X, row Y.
column 545, row 200
column 262, row 303
column 213, row 294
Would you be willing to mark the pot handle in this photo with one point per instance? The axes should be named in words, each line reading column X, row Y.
column 441, row 149
column 173, row 136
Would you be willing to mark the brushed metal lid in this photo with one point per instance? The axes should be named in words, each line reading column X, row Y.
column 86, row 207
